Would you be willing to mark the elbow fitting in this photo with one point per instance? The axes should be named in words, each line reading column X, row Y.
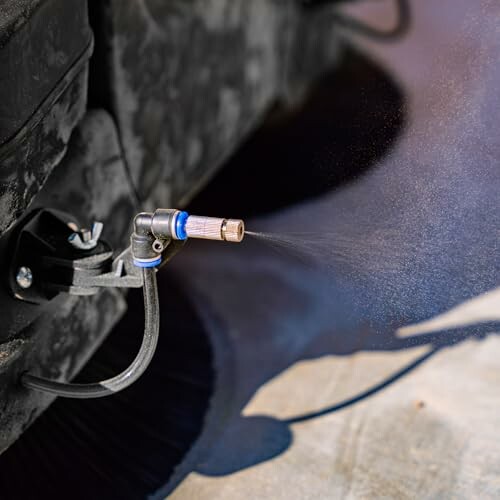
column 152, row 233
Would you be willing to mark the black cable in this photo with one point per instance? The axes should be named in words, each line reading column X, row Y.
column 400, row 28
column 128, row 376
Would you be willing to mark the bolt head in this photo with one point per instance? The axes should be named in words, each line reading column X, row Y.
column 24, row 277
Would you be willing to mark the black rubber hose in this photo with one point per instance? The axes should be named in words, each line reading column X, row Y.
column 128, row 376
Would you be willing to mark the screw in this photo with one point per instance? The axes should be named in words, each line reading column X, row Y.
column 24, row 277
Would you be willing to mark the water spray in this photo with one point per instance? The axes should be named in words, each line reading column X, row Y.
column 78, row 262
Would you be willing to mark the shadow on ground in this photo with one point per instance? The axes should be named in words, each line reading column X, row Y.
column 251, row 440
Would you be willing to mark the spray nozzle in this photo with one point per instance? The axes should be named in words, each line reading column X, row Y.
column 154, row 231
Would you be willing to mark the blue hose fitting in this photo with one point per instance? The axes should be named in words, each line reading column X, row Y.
column 147, row 262
column 180, row 226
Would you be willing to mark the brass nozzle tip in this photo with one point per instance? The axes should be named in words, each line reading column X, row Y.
column 212, row 228
column 233, row 230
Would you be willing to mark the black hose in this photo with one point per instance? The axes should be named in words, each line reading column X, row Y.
column 128, row 376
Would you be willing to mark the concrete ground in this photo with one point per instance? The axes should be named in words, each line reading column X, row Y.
column 374, row 373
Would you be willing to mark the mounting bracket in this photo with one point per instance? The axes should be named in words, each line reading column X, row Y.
column 46, row 261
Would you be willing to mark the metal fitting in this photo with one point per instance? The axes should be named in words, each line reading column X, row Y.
column 212, row 228
column 153, row 232
column 163, row 223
